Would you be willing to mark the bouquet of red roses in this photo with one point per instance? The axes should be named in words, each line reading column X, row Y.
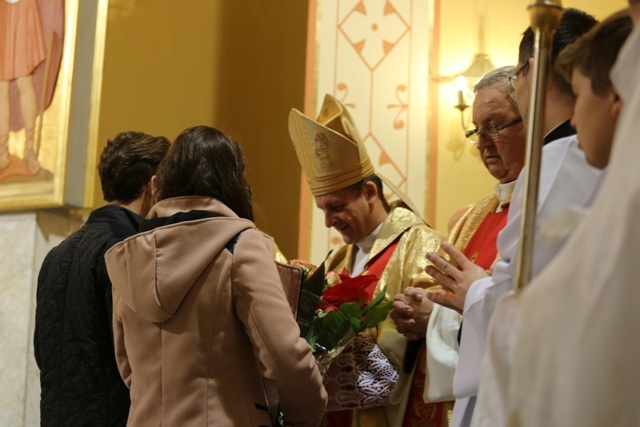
column 334, row 308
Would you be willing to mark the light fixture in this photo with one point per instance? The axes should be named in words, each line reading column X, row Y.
column 462, row 90
column 480, row 65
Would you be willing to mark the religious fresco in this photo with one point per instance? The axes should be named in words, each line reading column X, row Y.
column 37, row 60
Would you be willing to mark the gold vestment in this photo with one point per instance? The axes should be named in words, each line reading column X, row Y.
column 405, row 268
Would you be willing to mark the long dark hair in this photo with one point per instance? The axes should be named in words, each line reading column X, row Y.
column 203, row 161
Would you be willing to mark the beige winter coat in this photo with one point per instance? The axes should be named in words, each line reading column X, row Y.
column 198, row 329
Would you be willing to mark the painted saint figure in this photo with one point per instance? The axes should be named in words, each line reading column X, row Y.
column 22, row 49
column 31, row 44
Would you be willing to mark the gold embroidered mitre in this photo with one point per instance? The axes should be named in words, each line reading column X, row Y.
column 330, row 149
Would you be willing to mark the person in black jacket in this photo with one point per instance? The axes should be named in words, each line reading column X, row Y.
column 73, row 340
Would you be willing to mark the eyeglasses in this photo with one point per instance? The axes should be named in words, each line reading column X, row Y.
column 489, row 133
column 514, row 76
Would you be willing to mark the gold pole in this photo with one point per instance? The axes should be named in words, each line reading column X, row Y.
column 545, row 16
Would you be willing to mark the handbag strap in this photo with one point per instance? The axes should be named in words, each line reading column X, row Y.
column 193, row 215
column 161, row 221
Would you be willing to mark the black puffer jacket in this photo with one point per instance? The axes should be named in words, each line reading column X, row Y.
column 73, row 337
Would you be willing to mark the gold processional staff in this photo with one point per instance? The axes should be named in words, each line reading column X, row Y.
column 545, row 16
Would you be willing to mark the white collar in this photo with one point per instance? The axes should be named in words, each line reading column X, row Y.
column 367, row 243
column 504, row 191
column 362, row 254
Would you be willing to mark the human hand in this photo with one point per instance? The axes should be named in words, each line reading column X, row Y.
column 410, row 313
column 455, row 280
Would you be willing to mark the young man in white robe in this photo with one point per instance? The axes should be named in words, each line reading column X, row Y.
column 576, row 359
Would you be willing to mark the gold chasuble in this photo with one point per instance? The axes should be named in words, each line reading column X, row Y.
column 405, row 268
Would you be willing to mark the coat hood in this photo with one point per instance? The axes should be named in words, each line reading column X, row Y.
column 154, row 270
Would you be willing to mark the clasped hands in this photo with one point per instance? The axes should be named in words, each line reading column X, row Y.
column 412, row 309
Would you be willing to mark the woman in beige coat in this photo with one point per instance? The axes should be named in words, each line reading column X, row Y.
column 203, row 331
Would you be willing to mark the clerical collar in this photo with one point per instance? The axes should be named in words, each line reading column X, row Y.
column 563, row 130
column 504, row 191
column 362, row 254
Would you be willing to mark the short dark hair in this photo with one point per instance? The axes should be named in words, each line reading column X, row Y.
column 356, row 189
column 574, row 23
column 127, row 164
column 595, row 52
column 203, row 161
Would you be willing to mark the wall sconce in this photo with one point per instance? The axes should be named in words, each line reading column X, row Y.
column 462, row 90
column 480, row 65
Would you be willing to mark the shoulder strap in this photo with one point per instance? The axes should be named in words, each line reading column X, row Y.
column 194, row 215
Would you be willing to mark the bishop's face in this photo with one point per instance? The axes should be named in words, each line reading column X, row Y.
column 348, row 213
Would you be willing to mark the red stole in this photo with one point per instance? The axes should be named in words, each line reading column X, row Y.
column 482, row 248
column 375, row 266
